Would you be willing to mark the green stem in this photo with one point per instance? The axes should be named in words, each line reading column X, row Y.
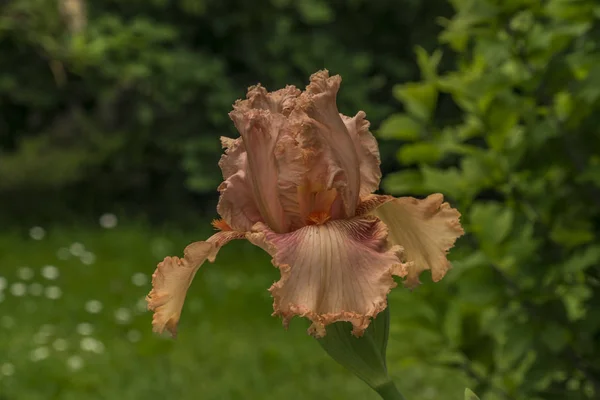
column 388, row 391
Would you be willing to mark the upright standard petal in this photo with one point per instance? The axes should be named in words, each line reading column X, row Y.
column 174, row 275
column 292, row 167
column 426, row 229
column 235, row 158
column 367, row 151
column 339, row 271
column 237, row 205
column 281, row 101
column 309, row 177
column 260, row 130
column 319, row 103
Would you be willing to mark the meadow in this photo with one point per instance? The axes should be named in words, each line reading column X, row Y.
column 74, row 326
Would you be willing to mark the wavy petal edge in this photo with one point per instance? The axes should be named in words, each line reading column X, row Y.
column 173, row 277
column 433, row 224
column 390, row 257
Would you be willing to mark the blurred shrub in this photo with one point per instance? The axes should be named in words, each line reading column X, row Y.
column 125, row 100
column 510, row 134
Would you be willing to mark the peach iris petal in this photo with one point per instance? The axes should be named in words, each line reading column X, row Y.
column 236, row 203
column 173, row 277
column 260, row 130
column 323, row 178
column 426, row 229
column 319, row 103
column 309, row 176
column 292, row 167
column 281, row 101
column 292, row 184
column 339, row 271
column 260, row 120
column 367, row 151
column 234, row 159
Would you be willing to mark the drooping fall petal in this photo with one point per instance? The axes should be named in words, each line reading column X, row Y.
column 426, row 229
column 319, row 103
column 260, row 130
column 339, row 271
column 174, row 275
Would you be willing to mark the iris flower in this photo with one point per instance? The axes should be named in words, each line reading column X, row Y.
column 299, row 183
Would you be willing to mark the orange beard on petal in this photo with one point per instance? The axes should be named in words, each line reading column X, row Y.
column 317, row 218
column 220, row 225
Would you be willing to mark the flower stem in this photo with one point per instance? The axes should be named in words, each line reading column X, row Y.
column 388, row 391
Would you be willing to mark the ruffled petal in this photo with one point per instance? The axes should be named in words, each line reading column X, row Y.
column 367, row 151
column 173, row 277
column 319, row 103
column 234, row 158
column 292, row 169
column 310, row 178
column 426, row 229
column 281, row 101
column 339, row 271
column 236, row 203
column 260, row 130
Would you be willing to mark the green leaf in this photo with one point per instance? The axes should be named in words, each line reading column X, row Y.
column 491, row 222
column 469, row 395
column 400, row 126
column 448, row 181
column 452, row 325
column 428, row 65
column 379, row 329
column 405, row 182
column 419, row 99
column 461, row 265
column 422, row 152
column 574, row 299
column 555, row 336
column 314, row 11
column 365, row 355
column 518, row 342
column 572, row 234
column 583, row 260
column 563, row 105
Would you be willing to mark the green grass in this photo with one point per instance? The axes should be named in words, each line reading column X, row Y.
column 229, row 346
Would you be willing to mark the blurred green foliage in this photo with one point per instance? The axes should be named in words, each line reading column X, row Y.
column 510, row 135
column 124, row 101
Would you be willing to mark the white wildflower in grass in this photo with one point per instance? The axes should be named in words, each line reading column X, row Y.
column 123, row 315
column 84, row 329
column 139, row 279
column 25, row 273
column 108, row 221
column 93, row 306
column 53, row 292
column 37, row 233
column 50, row 272
column 75, row 362
column 18, row 289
